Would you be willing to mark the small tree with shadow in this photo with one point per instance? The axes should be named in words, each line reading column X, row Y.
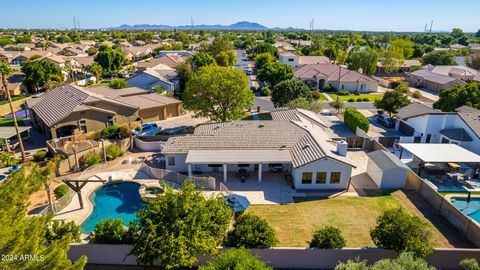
column 251, row 232
column 328, row 237
column 235, row 259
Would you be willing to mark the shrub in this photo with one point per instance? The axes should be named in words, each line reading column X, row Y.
column 402, row 88
column 343, row 93
column 400, row 231
column 359, row 99
column 118, row 84
column 110, row 231
column 265, row 91
column 60, row 191
column 235, row 259
column 328, row 237
column 316, row 94
column 351, row 100
column 469, row 264
column 251, row 232
column 59, row 229
column 7, row 159
column 366, row 99
column 113, row 151
column 394, row 85
column 39, row 155
column 90, row 159
column 356, row 93
column 329, row 88
column 354, row 119
column 417, row 94
column 114, row 132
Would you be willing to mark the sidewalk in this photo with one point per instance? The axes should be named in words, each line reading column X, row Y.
column 327, row 97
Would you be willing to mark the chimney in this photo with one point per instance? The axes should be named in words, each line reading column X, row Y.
column 342, row 147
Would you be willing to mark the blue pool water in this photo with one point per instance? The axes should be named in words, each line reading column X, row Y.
column 471, row 209
column 119, row 200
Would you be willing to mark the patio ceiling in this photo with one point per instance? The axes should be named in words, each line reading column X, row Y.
column 8, row 132
column 238, row 156
column 439, row 153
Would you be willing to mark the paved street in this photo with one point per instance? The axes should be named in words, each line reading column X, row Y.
column 243, row 64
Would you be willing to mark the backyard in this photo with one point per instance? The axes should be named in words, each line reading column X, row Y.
column 295, row 223
column 358, row 98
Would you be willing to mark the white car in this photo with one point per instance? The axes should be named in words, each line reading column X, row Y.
column 147, row 129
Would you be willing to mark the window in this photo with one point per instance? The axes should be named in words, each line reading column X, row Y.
column 335, row 177
column 321, row 178
column 307, row 178
column 363, row 87
column 342, row 87
column 290, row 59
column 171, row 161
column 109, row 121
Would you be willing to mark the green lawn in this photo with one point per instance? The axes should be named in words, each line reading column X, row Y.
column 322, row 98
column 8, row 122
column 371, row 97
column 294, row 224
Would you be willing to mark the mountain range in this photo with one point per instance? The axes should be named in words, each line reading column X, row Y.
column 244, row 25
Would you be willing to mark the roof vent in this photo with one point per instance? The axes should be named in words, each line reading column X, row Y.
column 306, row 146
column 261, row 126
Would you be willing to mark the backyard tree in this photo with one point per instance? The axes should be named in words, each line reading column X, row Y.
column 438, row 58
column 404, row 261
column 457, row 96
column 337, row 104
column 328, row 237
column 5, row 72
column 218, row 93
column 96, row 70
column 226, row 59
column 365, row 60
column 26, row 235
column 473, row 61
column 118, row 83
column 289, row 90
column 306, row 104
column 201, row 59
column 406, row 47
column 111, row 60
column 391, row 59
column 39, row 72
column 251, row 232
column 262, row 59
column 235, row 259
column 179, row 225
column 400, row 231
column 392, row 101
column 275, row 72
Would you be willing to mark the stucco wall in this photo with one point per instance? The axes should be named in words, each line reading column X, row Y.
column 323, row 165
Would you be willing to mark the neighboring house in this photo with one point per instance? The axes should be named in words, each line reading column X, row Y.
column 60, row 111
column 159, row 75
column 24, row 56
column 386, row 170
column 169, row 60
column 428, row 125
column 15, row 85
column 343, row 79
column 457, row 47
column 136, row 52
column 442, row 77
column 294, row 60
column 406, row 65
column 297, row 148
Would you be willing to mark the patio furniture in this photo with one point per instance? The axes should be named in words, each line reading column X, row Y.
column 243, row 175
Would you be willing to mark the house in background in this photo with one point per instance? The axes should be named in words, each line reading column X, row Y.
column 169, row 60
column 297, row 147
column 294, row 60
column 321, row 75
column 428, row 125
column 15, row 85
column 442, row 77
column 159, row 75
column 60, row 111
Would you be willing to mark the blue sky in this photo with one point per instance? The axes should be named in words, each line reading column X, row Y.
column 405, row 15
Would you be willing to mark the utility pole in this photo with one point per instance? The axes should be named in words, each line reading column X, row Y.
column 431, row 25
column 74, row 23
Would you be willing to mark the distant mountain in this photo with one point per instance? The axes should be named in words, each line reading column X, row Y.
column 236, row 26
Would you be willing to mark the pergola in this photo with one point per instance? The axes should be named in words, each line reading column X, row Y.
column 226, row 157
column 8, row 132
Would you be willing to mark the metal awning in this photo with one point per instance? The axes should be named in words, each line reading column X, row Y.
column 9, row 132
column 439, row 153
column 238, row 156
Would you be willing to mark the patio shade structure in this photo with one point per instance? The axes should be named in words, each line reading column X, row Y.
column 9, row 132
column 238, row 203
column 440, row 153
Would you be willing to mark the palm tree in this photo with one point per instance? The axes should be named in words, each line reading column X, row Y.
column 6, row 72
column 78, row 138
column 97, row 70
column 47, row 174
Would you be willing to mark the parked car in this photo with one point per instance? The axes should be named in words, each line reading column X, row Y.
column 248, row 72
column 147, row 129
column 385, row 121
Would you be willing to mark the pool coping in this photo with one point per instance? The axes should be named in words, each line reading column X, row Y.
column 449, row 197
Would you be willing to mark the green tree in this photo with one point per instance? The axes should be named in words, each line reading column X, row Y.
column 263, row 47
column 457, row 33
column 405, row 261
column 392, row 101
column 457, row 96
column 111, row 60
column 275, row 72
column 477, row 35
column 96, row 70
column 406, row 46
column 179, row 225
column 218, row 45
column 184, row 72
column 328, row 237
column 439, row 58
column 288, row 90
column 110, row 231
column 218, row 93
column 400, row 231
column 58, row 229
column 337, row 104
column 118, row 83
column 39, row 72
column 251, row 232
column 391, row 59
column 306, row 104
column 235, row 259
column 22, row 234
column 341, row 57
column 473, row 61
column 226, row 59
column 469, row 264
column 201, row 59
column 353, row 119
column 365, row 60
column 262, row 59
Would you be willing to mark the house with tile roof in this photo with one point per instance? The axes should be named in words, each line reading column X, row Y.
column 442, row 77
column 322, row 75
column 428, row 125
column 158, row 75
column 294, row 60
column 294, row 147
column 58, row 112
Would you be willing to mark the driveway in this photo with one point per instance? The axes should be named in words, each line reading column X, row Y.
column 336, row 127
column 376, row 129
column 265, row 104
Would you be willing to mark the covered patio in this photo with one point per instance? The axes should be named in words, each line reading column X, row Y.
column 8, row 136
column 242, row 162
column 448, row 166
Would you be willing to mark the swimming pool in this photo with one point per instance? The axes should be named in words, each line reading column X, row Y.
column 471, row 209
column 118, row 200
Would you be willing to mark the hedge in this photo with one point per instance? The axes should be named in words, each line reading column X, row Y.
column 354, row 119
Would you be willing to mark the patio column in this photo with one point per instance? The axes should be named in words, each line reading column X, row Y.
column 225, row 173
column 260, row 172
column 189, row 170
